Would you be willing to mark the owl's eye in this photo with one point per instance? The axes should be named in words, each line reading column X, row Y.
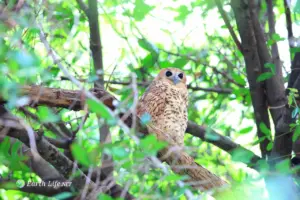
column 168, row 73
column 180, row 75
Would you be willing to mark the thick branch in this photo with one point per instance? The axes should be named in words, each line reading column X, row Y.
column 275, row 90
column 220, row 141
column 253, row 69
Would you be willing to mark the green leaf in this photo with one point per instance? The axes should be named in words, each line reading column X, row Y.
column 294, row 90
column 105, row 197
column 145, row 44
column 149, row 60
column 295, row 50
column 46, row 115
column 16, row 146
column 151, row 145
column 283, row 166
column 237, row 78
column 100, row 109
column 265, row 129
column 241, row 155
column 141, row 9
column 4, row 146
column 80, row 154
column 119, row 152
column 277, row 37
column 246, row 130
column 295, row 112
column 264, row 76
column 180, row 62
column 259, row 140
column 54, row 71
column 270, row 146
column 183, row 12
column 173, row 177
column 296, row 133
column 270, row 66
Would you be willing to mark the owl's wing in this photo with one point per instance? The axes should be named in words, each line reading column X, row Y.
column 153, row 101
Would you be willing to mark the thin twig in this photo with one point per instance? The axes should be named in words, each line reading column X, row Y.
column 228, row 25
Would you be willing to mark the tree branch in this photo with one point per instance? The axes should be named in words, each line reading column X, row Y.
column 275, row 90
column 253, row 69
column 83, row 7
column 228, row 25
column 289, row 23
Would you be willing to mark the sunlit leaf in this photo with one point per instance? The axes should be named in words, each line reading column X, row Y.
column 246, row 130
column 237, row 78
column 80, row 154
column 151, row 145
column 46, row 115
column 183, row 12
column 180, row 62
column 141, row 9
column 100, row 109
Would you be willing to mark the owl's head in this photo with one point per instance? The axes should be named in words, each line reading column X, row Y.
column 172, row 75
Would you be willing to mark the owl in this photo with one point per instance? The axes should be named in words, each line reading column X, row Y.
column 166, row 101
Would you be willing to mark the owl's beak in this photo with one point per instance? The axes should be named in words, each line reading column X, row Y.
column 175, row 79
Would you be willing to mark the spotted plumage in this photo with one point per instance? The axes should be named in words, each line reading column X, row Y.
column 166, row 100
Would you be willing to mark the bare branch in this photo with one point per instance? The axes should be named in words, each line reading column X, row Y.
column 289, row 22
column 228, row 25
column 83, row 7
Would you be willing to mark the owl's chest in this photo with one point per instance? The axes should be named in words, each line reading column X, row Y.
column 175, row 106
